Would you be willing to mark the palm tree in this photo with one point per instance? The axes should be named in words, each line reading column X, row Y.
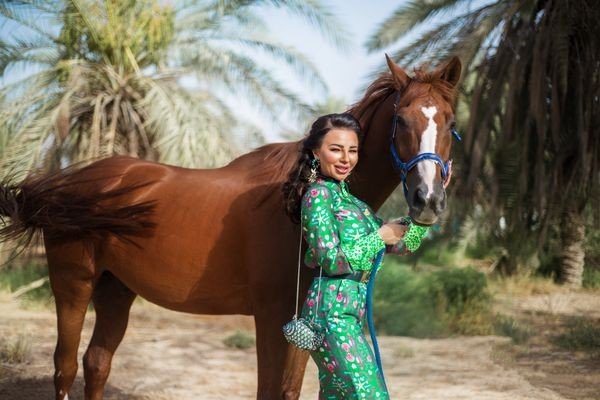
column 532, row 82
column 157, row 79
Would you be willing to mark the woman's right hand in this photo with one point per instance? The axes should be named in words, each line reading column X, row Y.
column 392, row 233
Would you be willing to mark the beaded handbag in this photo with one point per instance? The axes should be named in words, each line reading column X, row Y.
column 304, row 334
column 301, row 332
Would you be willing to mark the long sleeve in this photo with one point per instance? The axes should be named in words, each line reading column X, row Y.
column 325, row 247
column 360, row 252
column 411, row 241
column 320, row 232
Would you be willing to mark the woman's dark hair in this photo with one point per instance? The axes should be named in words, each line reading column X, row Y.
column 297, row 183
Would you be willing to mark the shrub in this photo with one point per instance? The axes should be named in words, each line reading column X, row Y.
column 582, row 334
column 591, row 278
column 404, row 304
column 465, row 299
column 430, row 304
column 508, row 326
column 12, row 277
column 240, row 340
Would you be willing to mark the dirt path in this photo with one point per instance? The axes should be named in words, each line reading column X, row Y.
column 167, row 355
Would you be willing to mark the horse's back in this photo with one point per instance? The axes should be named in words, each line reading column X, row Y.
column 205, row 239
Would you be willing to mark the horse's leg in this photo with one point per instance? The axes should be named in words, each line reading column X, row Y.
column 71, row 279
column 280, row 365
column 112, row 302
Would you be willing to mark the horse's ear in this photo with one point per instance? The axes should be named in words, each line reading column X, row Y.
column 451, row 71
column 400, row 77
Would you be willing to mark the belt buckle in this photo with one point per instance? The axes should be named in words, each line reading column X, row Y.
column 365, row 276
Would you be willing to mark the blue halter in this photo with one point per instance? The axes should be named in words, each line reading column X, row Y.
column 404, row 167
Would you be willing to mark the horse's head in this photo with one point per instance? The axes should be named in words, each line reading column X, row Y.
column 422, row 136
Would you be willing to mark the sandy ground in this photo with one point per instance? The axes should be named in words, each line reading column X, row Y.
column 167, row 355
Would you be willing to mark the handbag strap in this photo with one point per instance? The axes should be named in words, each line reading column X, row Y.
column 298, row 279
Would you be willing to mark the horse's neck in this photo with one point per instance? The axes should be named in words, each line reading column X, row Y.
column 374, row 178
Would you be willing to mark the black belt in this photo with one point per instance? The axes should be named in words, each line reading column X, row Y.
column 358, row 276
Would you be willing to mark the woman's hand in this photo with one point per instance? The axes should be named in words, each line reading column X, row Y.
column 449, row 177
column 392, row 233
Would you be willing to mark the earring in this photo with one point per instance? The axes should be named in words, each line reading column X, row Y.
column 314, row 168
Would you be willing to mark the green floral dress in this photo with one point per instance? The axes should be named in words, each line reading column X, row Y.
column 341, row 232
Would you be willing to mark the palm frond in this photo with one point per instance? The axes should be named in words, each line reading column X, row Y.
column 303, row 66
column 29, row 143
column 36, row 16
column 320, row 17
column 112, row 82
column 191, row 131
column 37, row 53
column 405, row 18
column 241, row 73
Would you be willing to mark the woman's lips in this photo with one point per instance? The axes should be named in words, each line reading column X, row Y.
column 342, row 170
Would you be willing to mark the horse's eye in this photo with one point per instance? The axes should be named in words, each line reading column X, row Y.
column 401, row 121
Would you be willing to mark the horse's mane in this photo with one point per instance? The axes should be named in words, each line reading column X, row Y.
column 269, row 163
column 385, row 85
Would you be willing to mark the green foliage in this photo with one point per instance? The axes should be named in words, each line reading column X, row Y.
column 591, row 278
column 15, row 276
column 240, row 340
column 507, row 326
column 133, row 33
column 527, row 166
column 591, row 274
column 430, row 304
column 147, row 78
column 582, row 334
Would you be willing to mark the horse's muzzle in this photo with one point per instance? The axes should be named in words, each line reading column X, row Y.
column 425, row 210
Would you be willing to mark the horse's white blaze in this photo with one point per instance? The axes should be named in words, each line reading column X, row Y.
column 426, row 168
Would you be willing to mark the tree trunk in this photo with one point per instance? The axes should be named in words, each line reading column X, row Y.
column 572, row 251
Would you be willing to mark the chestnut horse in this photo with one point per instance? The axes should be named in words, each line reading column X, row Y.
column 214, row 241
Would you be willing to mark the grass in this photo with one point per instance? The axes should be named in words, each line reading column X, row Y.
column 591, row 278
column 15, row 350
column 508, row 326
column 13, row 277
column 523, row 285
column 240, row 340
column 582, row 334
column 504, row 354
column 402, row 351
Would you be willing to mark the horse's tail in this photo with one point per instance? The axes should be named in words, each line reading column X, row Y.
column 70, row 205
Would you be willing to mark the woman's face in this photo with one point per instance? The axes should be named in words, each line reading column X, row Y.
column 338, row 153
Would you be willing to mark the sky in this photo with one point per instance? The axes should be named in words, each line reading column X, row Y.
column 343, row 71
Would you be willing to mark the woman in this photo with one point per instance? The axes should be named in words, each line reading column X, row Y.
column 344, row 236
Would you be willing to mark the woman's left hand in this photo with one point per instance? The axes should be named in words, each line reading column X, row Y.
column 449, row 177
column 392, row 232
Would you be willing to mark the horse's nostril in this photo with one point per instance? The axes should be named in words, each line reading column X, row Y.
column 420, row 200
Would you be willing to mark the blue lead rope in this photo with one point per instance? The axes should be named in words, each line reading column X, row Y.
column 370, row 285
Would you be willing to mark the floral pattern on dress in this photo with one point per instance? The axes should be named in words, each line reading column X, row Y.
column 340, row 229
